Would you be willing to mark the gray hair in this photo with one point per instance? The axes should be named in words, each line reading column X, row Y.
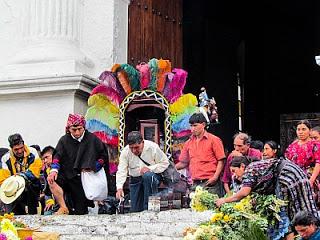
column 244, row 137
column 134, row 137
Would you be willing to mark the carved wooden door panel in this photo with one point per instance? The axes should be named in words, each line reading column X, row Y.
column 155, row 31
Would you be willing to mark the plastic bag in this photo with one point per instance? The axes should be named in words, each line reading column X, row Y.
column 95, row 185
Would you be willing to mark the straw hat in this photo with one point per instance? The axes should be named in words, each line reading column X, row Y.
column 11, row 189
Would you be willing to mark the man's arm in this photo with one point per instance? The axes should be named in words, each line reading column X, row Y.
column 181, row 165
column 4, row 171
column 226, row 187
column 122, row 172
column 35, row 166
column 217, row 173
column 161, row 159
column 121, row 175
column 56, row 159
column 183, row 158
column 55, row 165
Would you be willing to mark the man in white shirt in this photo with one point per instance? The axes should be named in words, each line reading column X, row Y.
column 144, row 161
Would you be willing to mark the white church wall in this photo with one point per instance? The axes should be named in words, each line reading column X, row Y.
column 51, row 55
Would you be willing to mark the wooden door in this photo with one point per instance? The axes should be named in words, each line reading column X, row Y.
column 155, row 31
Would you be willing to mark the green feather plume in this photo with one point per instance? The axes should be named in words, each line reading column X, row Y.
column 133, row 75
column 153, row 65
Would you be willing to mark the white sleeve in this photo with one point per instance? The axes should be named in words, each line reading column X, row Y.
column 122, row 172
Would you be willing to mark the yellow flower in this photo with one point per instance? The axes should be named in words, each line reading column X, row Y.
column 216, row 217
column 6, row 225
column 8, row 216
column 227, row 218
column 239, row 206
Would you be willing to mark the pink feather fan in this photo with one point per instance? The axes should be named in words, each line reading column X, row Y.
column 145, row 75
column 109, row 92
column 177, row 84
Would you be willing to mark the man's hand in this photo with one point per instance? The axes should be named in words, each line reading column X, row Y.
column 120, row 193
column 212, row 181
column 48, row 206
column 144, row 170
column 52, row 177
column 235, row 153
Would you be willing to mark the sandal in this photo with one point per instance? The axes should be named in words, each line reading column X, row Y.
column 62, row 211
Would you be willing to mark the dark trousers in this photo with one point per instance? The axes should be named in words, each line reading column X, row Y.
column 140, row 190
column 73, row 188
column 217, row 188
column 29, row 198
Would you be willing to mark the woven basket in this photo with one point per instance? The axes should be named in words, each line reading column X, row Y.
column 23, row 233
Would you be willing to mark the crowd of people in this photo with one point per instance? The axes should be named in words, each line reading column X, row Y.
column 50, row 180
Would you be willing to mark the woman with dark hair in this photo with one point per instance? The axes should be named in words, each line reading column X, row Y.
column 306, row 225
column 305, row 152
column 271, row 150
column 274, row 176
column 315, row 133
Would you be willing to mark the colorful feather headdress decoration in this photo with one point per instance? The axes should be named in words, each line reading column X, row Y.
column 153, row 65
column 145, row 75
column 164, row 67
column 103, row 113
column 133, row 76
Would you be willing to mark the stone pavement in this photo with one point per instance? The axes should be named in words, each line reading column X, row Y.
column 164, row 225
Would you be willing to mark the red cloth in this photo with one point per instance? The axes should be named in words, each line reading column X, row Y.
column 304, row 155
column 203, row 155
column 75, row 120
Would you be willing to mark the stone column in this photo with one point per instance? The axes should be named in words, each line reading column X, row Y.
column 50, row 39
column 45, row 69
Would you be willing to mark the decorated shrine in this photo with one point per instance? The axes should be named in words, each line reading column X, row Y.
column 148, row 98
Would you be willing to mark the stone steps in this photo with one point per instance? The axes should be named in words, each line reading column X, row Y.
column 164, row 225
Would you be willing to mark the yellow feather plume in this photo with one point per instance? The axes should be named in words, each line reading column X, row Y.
column 101, row 101
column 183, row 102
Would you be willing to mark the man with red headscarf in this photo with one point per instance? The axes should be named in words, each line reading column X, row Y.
column 78, row 150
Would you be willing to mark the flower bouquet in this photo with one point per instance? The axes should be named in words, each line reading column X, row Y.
column 12, row 229
column 248, row 219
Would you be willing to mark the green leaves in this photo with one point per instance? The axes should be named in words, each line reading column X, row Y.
column 244, row 220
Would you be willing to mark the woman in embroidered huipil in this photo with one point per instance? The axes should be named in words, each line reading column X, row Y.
column 274, row 176
column 305, row 152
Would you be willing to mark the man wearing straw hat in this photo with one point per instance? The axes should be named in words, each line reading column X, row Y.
column 24, row 163
column 11, row 189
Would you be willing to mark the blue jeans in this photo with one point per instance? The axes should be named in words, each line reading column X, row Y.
column 141, row 188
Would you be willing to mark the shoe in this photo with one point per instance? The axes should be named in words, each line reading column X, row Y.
column 62, row 211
